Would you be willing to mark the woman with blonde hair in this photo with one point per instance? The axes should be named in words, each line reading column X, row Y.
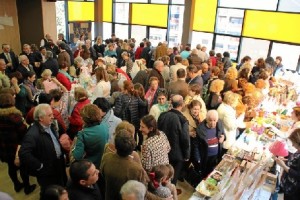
column 227, row 114
column 103, row 86
column 48, row 83
column 214, row 98
column 230, row 80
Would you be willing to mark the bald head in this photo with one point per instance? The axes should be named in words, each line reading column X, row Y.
column 177, row 101
column 212, row 118
column 159, row 65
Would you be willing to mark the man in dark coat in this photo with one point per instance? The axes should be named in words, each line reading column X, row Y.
column 207, row 149
column 146, row 54
column 84, row 176
column 50, row 63
column 193, row 76
column 10, row 59
column 175, row 126
column 41, row 152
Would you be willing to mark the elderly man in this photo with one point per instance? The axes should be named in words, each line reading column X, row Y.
column 4, row 80
column 45, row 40
column 84, row 176
column 50, row 63
column 207, row 146
column 133, row 190
column 176, row 128
column 24, row 66
column 205, row 73
column 174, row 68
column 41, row 152
column 63, row 56
column 10, row 59
column 156, row 71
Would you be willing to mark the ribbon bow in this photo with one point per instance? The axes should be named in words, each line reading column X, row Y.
column 152, row 178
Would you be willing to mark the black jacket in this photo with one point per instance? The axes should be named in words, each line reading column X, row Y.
column 37, row 148
column 176, row 128
column 51, row 64
column 77, row 192
column 14, row 61
column 201, row 134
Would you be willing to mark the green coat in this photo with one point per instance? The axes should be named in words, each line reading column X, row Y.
column 90, row 143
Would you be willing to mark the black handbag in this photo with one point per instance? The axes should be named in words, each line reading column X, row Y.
column 193, row 177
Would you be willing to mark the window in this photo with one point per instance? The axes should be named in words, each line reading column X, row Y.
column 229, row 21
column 254, row 48
column 250, row 4
column 204, row 39
column 138, row 33
column 227, row 43
column 121, row 31
column 289, row 5
column 60, row 17
column 177, row 1
column 157, row 35
column 176, row 23
column 122, row 12
column 160, row 1
column 289, row 53
column 106, row 30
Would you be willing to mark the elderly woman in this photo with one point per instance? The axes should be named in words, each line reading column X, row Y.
column 74, row 70
column 227, row 114
column 161, row 106
column 48, row 83
column 107, row 115
column 63, row 77
column 156, row 147
column 210, row 137
column 92, row 138
column 103, row 85
column 290, row 180
column 12, row 131
column 110, row 52
column 75, row 119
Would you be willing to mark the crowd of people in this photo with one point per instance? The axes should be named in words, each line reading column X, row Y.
column 153, row 113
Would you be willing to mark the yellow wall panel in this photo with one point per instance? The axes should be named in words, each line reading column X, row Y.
column 107, row 10
column 149, row 15
column 204, row 15
column 272, row 26
column 81, row 11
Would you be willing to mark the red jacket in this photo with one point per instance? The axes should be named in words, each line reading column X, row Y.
column 64, row 80
column 75, row 118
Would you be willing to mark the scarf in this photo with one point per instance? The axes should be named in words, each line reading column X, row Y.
column 150, row 96
column 66, row 74
column 164, row 107
column 31, row 86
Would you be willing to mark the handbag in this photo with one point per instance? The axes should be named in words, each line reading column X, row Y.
column 193, row 177
column 72, row 159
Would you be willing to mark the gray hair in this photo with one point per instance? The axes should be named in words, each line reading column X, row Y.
column 22, row 57
column 49, row 54
column 39, row 111
column 78, row 60
column 134, row 187
column 177, row 101
column 212, row 113
column 156, row 63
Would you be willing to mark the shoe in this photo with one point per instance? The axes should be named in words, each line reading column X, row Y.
column 29, row 189
column 179, row 191
column 18, row 187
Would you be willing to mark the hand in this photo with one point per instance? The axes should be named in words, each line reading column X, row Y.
column 280, row 162
column 9, row 64
column 14, row 81
column 193, row 134
column 17, row 161
column 221, row 139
